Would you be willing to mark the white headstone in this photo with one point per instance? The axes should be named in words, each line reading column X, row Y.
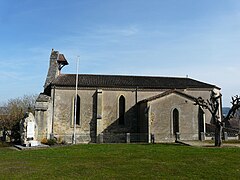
column 30, row 129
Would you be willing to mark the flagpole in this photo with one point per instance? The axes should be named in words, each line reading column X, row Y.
column 75, row 105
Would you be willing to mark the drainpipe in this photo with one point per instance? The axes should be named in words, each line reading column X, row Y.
column 136, row 95
column 136, row 101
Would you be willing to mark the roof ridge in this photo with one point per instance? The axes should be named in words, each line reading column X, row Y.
column 123, row 81
column 129, row 75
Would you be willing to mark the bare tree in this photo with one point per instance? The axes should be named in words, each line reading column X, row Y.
column 212, row 106
column 235, row 106
column 15, row 111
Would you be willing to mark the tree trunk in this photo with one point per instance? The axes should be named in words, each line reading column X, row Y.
column 218, row 134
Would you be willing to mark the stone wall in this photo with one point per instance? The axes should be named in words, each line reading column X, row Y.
column 99, row 113
column 64, row 115
column 161, row 118
column 43, row 116
column 205, row 94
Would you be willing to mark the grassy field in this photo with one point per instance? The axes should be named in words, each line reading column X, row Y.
column 121, row 161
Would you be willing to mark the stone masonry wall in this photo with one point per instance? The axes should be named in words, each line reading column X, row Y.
column 64, row 115
column 161, row 118
column 99, row 113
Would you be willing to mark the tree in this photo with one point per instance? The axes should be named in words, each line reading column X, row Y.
column 235, row 106
column 15, row 111
column 212, row 106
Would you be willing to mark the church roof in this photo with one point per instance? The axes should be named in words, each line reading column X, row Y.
column 62, row 60
column 120, row 81
column 42, row 98
column 170, row 92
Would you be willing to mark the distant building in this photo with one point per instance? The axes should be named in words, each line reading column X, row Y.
column 111, row 107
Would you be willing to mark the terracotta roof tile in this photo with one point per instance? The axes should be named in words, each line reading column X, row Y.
column 118, row 81
column 62, row 60
column 43, row 98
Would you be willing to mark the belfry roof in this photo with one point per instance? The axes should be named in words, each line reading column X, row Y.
column 62, row 60
column 120, row 81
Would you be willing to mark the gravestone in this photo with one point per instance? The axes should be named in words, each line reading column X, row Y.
column 128, row 138
column 28, row 130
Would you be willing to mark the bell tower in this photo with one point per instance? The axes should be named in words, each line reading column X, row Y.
column 57, row 62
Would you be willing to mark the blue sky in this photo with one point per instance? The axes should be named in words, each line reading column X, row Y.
column 200, row 39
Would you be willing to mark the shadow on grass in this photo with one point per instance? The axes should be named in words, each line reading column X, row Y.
column 164, row 144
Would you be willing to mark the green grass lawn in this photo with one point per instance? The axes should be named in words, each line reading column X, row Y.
column 121, row 161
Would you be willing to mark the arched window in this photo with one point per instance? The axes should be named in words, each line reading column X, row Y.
column 77, row 106
column 121, row 110
column 201, row 123
column 175, row 121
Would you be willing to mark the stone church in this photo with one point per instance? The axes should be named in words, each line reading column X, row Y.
column 116, row 108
